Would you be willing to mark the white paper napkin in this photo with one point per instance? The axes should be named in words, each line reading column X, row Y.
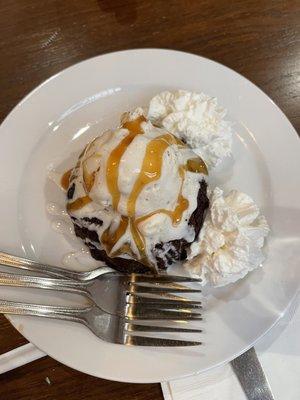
column 20, row 356
column 279, row 354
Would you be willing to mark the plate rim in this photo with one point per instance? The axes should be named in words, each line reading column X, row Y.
column 141, row 49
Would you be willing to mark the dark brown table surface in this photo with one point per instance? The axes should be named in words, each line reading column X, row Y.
column 38, row 38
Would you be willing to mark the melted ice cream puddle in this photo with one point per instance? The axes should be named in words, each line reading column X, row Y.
column 79, row 259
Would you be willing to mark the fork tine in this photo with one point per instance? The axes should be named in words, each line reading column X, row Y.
column 162, row 278
column 149, row 341
column 131, row 327
column 162, row 306
column 149, row 309
column 161, row 285
column 160, row 290
column 133, row 299
column 164, row 303
column 162, row 296
column 150, row 314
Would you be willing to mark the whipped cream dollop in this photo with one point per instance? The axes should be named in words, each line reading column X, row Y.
column 230, row 241
column 197, row 119
column 136, row 186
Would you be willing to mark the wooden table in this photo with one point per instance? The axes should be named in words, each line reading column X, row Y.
column 38, row 38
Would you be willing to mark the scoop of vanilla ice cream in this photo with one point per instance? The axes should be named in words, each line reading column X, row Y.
column 159, row 194
column 231, row 240
column 197, row 119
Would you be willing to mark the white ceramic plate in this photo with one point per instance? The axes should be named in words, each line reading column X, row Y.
column 51, row 125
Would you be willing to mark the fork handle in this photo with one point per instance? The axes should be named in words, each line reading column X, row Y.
column 30, row 265
column 74, row 314
column 64, row 285
column 251, row 376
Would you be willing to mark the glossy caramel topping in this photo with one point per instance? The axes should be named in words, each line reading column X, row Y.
column 65, row 179
column 151, row 168
column 182, row 202
column 134, row 126
column 196, row 165
column 110, row 239
column 176, row 214
column 88, row 178
column 78, row 203
column 138, row 238
column 124, row 249
column 113, row 162
column 112, row 169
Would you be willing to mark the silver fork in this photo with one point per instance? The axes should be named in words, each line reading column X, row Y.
column 111, row 328
column 30, row 265
column 112, row 292
column 122, row 295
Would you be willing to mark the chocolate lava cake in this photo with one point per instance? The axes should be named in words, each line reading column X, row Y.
column 137, row 196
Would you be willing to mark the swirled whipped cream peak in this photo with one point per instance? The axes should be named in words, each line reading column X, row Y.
column 197, row 119
column 137, row 195
column 231, row 239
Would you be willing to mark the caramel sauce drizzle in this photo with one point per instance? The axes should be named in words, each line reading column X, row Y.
column 89, row 179
column 112, row 169
column 176, row 214
column 182, row 202
column 181, row 205
column 124, row 249
column 78, row 203
column 65, row 179
column 65, row 182
column 113, row 162
column 112, row 176
column 196, row 165
column 151, row 168
column 139, row 240
column 110, row 239
column 134, row 126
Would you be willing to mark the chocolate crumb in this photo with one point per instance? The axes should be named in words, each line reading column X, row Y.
column 71, row 191
column 93, row 220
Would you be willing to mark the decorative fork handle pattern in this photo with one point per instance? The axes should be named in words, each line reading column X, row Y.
column 64, row 285
column 74, row 314
column 29, row 265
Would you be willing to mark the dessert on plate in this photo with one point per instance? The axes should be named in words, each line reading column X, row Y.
column 139, row 194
